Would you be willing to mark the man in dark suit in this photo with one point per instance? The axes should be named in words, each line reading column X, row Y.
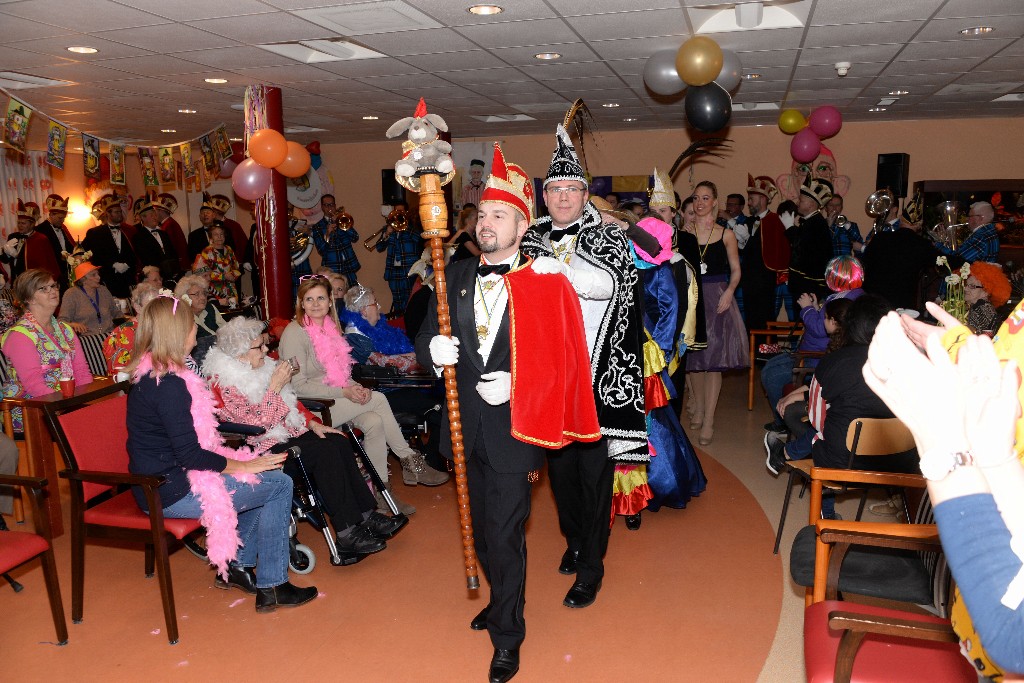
column 111, row 246
column 765, row 254
column 153, row 246
column 212, row 210
column 499, row 463
column 56, row 208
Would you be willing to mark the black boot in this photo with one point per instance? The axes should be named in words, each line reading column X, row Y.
column 242, row 578
column 283, row 595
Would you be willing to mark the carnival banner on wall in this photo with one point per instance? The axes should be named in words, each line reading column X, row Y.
column 166, row 157
column 56, row 144
column 222, row 144
column 209, row 156
column 16, row 124
column 117, row 173
column 148, row 167
column 91, row 156
column 188, row 168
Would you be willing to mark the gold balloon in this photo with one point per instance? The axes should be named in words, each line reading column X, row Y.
column 699, row 61
column 791, row 121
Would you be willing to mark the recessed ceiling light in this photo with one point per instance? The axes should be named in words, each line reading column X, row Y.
column 168, row 130
column 610, row 105
column 186, row 111
column 899, row 92
column 216, row 80
column 83, row 50
column 751, row 77
column 629, row 119
column 877, row 109
column 235, row 139
column 370, row 118
column 548, row 55
column 976, row 30
column 485, row 9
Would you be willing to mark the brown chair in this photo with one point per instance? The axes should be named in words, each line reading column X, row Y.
column 846, row 641
column 90, row 432
column 866, row 437
column 8, row 405
column 19, row 547
column 785, row 334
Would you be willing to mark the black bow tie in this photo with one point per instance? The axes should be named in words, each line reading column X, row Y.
column 485, row 269
column 559, row 233
column 113, row 227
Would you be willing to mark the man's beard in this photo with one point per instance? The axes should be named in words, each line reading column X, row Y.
column 496, row 245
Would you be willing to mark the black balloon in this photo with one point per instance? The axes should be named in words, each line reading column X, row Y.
column 708, row 107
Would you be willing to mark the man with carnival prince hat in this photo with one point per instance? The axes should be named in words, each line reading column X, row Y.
column 765, row 255
column 511, row 326
column 597, row 260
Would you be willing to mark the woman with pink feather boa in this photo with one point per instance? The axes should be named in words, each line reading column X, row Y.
column 243, row 500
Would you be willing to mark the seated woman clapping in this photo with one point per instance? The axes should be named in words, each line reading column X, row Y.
column 244, row 501
column 259, row 393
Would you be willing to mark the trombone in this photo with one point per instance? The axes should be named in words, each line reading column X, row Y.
column 397, row 221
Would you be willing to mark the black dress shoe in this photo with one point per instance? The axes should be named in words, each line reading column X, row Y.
column 242, row 578
column 479, row 622
column 360, row 541
column 384, row 527
column 283, row 595
column 582, row 594
column 633, row 522
column 568, row 564
column 504, row 665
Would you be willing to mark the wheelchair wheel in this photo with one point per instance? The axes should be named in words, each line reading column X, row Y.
column 196, row 543
column 301, row 560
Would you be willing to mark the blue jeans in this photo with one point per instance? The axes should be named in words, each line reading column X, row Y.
column 775, row 375
column 263, row 517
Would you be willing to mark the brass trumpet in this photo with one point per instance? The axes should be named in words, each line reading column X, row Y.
column 877, row 206
column 397, row 221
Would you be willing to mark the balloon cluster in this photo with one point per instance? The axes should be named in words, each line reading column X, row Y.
column 268, row 152
column 711, row 74
column 824, row 122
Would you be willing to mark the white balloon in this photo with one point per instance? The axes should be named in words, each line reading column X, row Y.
column 732, row 71
column 660, row 73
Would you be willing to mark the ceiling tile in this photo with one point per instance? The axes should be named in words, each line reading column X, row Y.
column 1003, row 63
column 636, row 24
column 953, row 48
column 17, row 29
column 235, row 57
column 454, row 61
column 979, row 8
column 359, row 68
column 771, row 39
column 570, row 8
column 426, row 41
column 555, row 72
column 94, row 15
column 519, row 33
column 108, row 49
column 949, row 29
column 757, row 61
column 855, row 54
column 930, row 66
column 526, row 56
column 14, row 58
column 256, row 29
column 471, row 76
column 166, row 39
column 406, row 82
column 628, row 67
column 873, row 10
column 634, row 48
column 862, row 34
column 454, row 13
column 153, row 65
column 191, row 10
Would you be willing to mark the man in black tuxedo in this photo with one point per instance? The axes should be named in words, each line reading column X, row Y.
column 153, row 246
column 56, row 208
column 499, row 465
column 111, row 247
column 213, row 209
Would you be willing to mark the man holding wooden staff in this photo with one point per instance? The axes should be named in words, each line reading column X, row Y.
column 524, row 385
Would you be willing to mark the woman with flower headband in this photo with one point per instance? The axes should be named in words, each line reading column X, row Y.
column 244, row 501
column 40, row 348
column 314, row 339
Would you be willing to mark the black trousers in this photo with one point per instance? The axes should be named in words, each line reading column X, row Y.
column 500, row 505
column 331, row 465
column 581, row 479
column 759, row 300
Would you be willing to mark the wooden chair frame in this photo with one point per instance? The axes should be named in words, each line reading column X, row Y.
column 773, row 330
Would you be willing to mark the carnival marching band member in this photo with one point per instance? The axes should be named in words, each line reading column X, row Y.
column 597, row 260
column 512, row 324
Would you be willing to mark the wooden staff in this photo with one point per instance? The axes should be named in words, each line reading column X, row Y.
column 434, row 217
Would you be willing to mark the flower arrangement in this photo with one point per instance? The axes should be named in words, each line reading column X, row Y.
column 954, row 303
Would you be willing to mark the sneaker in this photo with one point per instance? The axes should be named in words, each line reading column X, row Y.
column 384, row 527
column 887, row 508
column 835, row 516
column 775, row 449
column 775, row 427
column 360, row 541
column 415, row 470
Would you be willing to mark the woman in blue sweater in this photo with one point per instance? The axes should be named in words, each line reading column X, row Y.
column 242, row 500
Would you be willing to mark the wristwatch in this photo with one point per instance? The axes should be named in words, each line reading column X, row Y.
column 937, row 464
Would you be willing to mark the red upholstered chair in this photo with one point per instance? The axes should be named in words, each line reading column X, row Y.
column 19, row 547
column 90, row 432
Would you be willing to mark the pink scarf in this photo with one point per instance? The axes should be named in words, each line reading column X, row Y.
column 332, row 351
column 219, row 515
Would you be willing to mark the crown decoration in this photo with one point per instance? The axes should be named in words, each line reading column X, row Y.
column 55, row 202
column 167, row 201
column 912, row 210
column 762, row 185
column 28, row 210
column 565, row 165
column 663, row 192
column 103, row 204
column 508, row 184
column 817, row 189
column 218, row 203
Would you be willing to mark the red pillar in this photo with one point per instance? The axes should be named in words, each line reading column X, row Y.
column 274, row 256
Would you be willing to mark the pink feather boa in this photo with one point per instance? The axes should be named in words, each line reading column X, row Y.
column 332, row 351
column 219, row 515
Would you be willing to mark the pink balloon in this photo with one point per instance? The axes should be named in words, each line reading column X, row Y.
column 805, row 146
column 250, row 180
column 227, row 167
column 237, row 152
column 825, row 121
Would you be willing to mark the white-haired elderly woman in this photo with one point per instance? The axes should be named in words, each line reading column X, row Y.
column 208, row 318
column 362, row 316
column 117, row 347
column 256, row 392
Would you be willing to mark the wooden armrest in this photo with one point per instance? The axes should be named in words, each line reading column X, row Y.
column 30, row 482
column 868, row 477
column 891, row 626
column 115, row 478
column 876, row 533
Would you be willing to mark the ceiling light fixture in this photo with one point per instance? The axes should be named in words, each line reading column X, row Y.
column 976, row 30
column 610, row 105
column 749, row 14
column 83, row 50
column 370, row 118
column 899, row 92
column 875, row 109
column 187, row 111
column 168, row 130
column 751, row 76
column 548, row 55
column 216, row 80
column 630, row 119
column 484, row 10
column 235, row 139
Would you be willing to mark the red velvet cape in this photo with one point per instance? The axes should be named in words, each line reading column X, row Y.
column 552, row 392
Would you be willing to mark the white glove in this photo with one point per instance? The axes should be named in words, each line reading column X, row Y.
column 248, row 267
column 444, row 350
column 385, row 209
column 120, row 268
column 545, row 265
column 788, row 219
column 11, row 248
column 497, row 389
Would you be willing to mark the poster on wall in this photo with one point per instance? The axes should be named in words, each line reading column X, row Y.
column 166, row 158
column 117, row 174
column 56, row 144
column 16, row 124
column 222, row 143
column 186, row 160
column 148, row 167
column 91, row 156
column 472, row 165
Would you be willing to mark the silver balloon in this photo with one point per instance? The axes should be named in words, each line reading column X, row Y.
column 732, row 71
column 660, row 73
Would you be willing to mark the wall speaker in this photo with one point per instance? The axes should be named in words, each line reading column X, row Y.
column 893, row 173
column 390, row 191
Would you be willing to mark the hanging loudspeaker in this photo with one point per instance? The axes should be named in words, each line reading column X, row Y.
column 893, row 173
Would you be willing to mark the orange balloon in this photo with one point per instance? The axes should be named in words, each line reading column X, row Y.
column 267, row 147
column 295, row 163
column 699, row 61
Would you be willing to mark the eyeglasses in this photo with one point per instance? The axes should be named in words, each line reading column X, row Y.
column 303, row 278
column 969, row 286
column 568, row 191
column 974, row 215
column 49, row 288
column 261, row 345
